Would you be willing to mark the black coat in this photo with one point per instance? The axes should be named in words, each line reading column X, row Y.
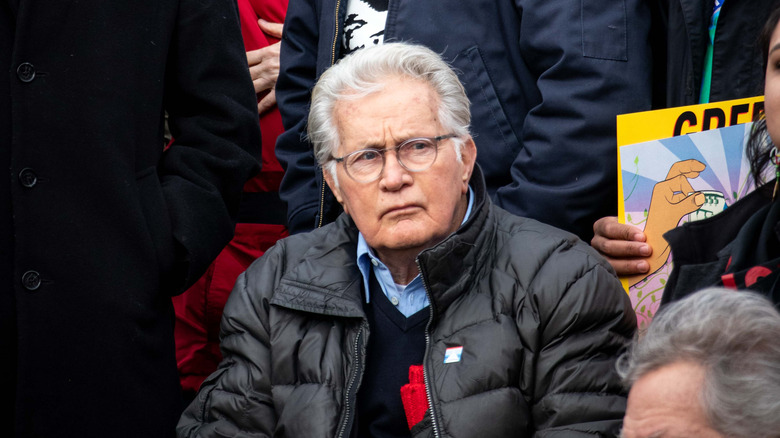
column 98, row 227
column 540, row 315
column 738, row 248
column 680, row 33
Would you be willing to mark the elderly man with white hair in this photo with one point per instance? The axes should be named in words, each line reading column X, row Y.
column 424, row 310
column 708, row 367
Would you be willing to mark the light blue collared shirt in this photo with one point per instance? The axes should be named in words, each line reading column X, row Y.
column 408, row 299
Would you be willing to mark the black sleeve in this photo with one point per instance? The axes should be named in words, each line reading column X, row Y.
column 213, row 117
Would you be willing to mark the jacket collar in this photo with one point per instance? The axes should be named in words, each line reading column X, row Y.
column 451, row 267
column 327, row 280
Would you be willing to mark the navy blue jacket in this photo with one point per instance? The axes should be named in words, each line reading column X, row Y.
column 545, row 79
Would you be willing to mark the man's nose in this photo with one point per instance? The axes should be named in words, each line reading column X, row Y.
column 394, row 175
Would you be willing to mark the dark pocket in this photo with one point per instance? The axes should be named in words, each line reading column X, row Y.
column 604, row 29
column 155, row 213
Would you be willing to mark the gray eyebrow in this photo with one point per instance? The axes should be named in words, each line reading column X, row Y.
column 381, row 146
column 373, row 146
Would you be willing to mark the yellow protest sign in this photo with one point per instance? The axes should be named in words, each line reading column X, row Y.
column 679, row 165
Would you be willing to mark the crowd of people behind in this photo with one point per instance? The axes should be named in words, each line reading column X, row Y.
column 373, row 218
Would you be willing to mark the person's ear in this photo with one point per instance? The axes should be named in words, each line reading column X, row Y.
column 469, row 157
column 334, row 187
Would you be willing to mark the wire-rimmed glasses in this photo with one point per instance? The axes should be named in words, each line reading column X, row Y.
column 414, row 155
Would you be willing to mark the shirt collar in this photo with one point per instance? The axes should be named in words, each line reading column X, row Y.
column 366, row 257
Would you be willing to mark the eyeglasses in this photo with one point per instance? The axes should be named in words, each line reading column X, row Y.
column 414, row 155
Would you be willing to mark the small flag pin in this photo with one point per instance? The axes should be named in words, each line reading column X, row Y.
column 452, row 354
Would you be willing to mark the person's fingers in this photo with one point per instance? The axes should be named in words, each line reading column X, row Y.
column 264, row 80
column 629, row 267
column 263, row 76
column 272, row 51
column 267, row 102
column 689, row 168
column 622, row 245
column 609, row 228
column 266, row 55
column 611, row 248
column 271, row 57
column 254, row 57
column 273, row 29
column 263, row 83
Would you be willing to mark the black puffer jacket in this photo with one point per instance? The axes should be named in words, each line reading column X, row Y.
column 541, row 318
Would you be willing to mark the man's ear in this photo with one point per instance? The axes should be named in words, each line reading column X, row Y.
column 334, row 188
column 469, row 157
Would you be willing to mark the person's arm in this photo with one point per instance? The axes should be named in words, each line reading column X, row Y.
column 213, row 118
column 593, row 62
column 585, row 319
column 297, row 76
column 236, row 399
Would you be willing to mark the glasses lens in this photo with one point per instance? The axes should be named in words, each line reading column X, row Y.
column 417, row 154
column 364, row 165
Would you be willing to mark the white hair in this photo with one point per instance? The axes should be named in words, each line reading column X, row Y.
column 365, row 72
column 735, row 337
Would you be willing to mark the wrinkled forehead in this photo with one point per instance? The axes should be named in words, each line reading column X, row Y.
column 401, row 88
column 403, row 109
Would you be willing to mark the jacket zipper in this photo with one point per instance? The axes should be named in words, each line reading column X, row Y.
column 336, row 34
column 332, row 61
column 350, row 393
column 322, row 202
column 426, row 375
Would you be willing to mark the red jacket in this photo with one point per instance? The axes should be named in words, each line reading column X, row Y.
column 261, row 224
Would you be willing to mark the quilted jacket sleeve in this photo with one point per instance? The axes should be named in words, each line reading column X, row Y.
column 236, row 401
column 585, row 319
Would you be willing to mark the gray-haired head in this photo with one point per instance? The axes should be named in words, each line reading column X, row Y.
column 364, row 72
column 735, row 337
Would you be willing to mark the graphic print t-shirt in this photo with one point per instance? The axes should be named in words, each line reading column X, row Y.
column 364, row 25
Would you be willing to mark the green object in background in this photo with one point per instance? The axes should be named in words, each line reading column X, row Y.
column 706, row 80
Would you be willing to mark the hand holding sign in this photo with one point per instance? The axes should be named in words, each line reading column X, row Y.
column 672, row 199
